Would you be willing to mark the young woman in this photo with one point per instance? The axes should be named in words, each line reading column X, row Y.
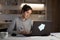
column 23, row 24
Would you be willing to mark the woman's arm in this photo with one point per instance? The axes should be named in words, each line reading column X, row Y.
column 11, row 27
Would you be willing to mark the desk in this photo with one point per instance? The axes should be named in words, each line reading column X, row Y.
column 32, row 38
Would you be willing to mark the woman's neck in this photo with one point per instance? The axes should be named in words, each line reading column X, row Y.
column 23, row 18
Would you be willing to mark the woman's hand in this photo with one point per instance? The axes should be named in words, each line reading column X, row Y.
column 29, row 32
column 22, row 32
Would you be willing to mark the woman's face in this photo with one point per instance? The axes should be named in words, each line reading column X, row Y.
column 27, row 14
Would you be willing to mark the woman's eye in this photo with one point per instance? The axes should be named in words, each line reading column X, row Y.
column 27, row 12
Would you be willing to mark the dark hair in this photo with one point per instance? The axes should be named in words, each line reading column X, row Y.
column 26, row 8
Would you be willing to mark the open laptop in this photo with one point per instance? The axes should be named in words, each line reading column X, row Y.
column 41, row 28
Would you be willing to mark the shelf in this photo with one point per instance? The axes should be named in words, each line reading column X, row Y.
column 4, row 22
column 13, row 7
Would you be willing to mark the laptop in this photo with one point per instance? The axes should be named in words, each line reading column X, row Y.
column 41, row 28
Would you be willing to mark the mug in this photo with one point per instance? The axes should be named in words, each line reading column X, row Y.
column 3, row 34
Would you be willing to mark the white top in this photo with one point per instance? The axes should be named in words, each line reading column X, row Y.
column 20, row 25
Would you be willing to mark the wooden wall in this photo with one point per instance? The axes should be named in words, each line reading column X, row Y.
column 53, row 13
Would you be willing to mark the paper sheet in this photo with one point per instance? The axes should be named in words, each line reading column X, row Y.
column 41, row 27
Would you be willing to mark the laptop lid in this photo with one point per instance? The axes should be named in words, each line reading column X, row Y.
column 41, row 28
